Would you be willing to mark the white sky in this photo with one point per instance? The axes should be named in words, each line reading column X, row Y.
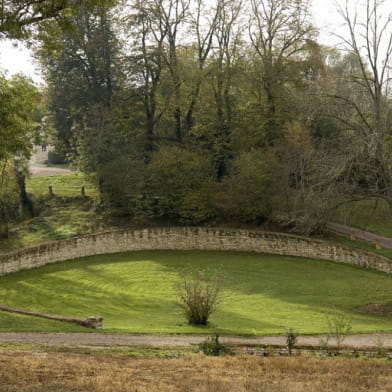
column 17, row 59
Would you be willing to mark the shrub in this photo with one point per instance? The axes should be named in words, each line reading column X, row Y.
column 339, row 325
column 199, row 293
column 178, row 181
column 211, row 346
column 253, row 187
column 381, row 350
column 291, row 339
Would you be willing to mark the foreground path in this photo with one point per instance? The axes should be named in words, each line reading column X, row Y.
column 385, row 242
column 104, row 339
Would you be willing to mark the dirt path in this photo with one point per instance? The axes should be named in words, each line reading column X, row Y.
column 40, row 171
column 385, row 242
column 104, row 339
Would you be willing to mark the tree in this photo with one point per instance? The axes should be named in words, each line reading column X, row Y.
column 146, row 67
column 204, row 25
column 178, row 183
column 82, row 78
column 19, row 98
column 168, row 16
column 18, row 101
column 226, row 54
column 369, row 99
column 312, row 180
column 279, row 31
column 17, row 17
column 255, row 182
column 20, row 18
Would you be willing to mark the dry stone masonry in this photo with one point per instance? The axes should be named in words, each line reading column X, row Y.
column 190, row 238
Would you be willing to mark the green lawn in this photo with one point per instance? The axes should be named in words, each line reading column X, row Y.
column 135, row 292
column 68, row 185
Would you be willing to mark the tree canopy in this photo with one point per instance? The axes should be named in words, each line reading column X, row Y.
column 197, row 111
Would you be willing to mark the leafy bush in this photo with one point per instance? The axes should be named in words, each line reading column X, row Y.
column 120, row 182
column 211, row 346
column 253, row 187
column 178, row 182
column 291, row 339
column 199, row 293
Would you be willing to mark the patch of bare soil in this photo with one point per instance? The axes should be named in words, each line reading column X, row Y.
column 377, row 309
column 66, row 372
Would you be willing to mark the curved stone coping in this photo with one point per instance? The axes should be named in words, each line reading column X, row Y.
column 190, row 238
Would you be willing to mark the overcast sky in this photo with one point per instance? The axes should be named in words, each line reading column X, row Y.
column 17, row 59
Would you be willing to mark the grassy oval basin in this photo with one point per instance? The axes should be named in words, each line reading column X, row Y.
column 137, row 292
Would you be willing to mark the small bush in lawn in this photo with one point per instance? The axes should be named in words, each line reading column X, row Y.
column 199, row 293
column 212, row 346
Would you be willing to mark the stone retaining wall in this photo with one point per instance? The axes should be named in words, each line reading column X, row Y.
column 188, row 238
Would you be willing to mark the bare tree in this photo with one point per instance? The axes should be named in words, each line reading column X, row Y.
column 369, row 40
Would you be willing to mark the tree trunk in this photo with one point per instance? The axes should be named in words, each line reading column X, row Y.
column 26, row 204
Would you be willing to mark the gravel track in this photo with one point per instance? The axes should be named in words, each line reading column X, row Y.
column 384, row 242
column 42, row 171
column 110, row 339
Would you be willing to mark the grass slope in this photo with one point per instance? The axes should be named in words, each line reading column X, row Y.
column 63, row 216
column 135, row 292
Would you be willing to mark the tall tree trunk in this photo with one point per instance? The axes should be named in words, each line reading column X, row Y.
column 26, row 204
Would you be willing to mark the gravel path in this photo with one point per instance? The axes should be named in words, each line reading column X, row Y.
column 40, row 171
column 104, row 339
column 385, row 242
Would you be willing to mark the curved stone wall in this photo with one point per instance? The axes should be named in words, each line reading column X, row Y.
column 188, row 238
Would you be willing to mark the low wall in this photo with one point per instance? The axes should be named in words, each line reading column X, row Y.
column 188, row 238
